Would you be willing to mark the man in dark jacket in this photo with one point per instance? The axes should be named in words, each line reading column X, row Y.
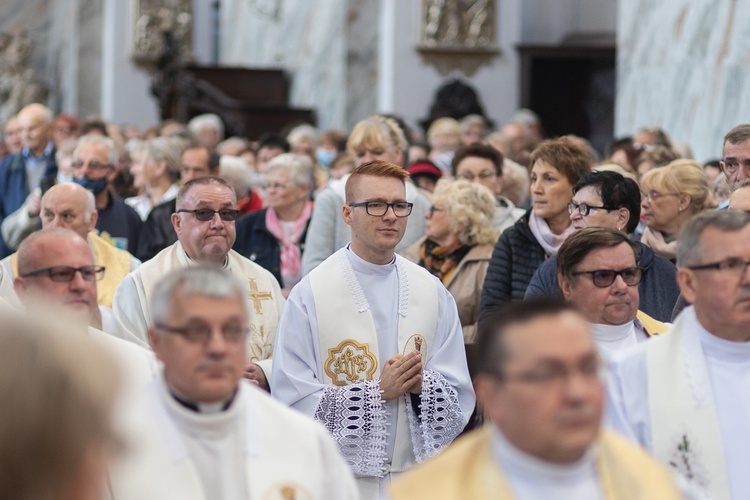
column 34, row 166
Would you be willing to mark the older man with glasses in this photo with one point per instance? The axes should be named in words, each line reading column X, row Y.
column 371, row 345
column 199, row 432
column 57, row 275
column 598, row 273
column 683, row 395
column 204, row 223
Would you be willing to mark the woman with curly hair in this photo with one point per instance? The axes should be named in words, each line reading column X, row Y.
column 460, row 234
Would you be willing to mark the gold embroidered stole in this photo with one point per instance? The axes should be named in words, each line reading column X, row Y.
column 467, row 469
column 685, row 430
column 263, row 294
column 348, row 341
column 117, row 264
column 652, row 326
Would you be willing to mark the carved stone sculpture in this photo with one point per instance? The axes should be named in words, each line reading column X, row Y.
column 18, row 84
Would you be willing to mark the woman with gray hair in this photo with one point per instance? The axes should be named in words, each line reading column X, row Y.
column 274, row 237
column 460, row 235
column 156, row 170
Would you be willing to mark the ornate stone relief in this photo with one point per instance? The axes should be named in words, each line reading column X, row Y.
column 458, row 34
column 154, row 19
column 18, row 83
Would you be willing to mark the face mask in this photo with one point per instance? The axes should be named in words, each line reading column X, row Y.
column 95, row 186
column 325, row 156
column 64, row 178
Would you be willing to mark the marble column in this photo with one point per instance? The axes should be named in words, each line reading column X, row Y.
column 684, row 65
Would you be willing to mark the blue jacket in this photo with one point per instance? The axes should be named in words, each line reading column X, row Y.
column 658, row 290
column 13, row 188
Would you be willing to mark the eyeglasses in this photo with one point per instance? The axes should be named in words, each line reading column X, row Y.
column 63, row 274
column 605, row 277
column 201, row 332
column 483, row 175
column 434, row 209
column 205, row 214
column 584, row 209
column 730, row 265
column 554, row 376
column 655, row 195
column 93, row 165
column 276, row 185
column 380, row 208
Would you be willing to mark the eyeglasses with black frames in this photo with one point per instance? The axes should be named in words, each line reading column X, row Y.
column 206, row 214
column 63, row 274
column 380, row 208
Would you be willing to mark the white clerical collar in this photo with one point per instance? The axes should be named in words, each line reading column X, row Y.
column 722, row 349
column 224, row 266
column 612, row 333
column 519, row 464
column 361, row 265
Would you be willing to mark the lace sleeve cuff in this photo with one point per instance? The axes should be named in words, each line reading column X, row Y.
column 356, row 420
column 440, row 419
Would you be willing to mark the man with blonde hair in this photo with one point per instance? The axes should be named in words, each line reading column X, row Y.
column 371, row 345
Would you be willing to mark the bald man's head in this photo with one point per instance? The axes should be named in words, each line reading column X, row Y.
column 56, row 267
column 740, row 199
column 69, row 206
column 35, row 124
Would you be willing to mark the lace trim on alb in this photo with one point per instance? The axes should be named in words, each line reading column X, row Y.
column 351, row 281
column 356, row 420
column 441, row 419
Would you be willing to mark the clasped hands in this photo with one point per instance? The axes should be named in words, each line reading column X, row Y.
column 401, row 374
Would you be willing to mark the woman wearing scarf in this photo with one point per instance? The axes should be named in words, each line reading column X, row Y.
column 556, row 166
column 274, row 237
column 459, row 237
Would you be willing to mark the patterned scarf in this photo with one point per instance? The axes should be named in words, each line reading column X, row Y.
column 440, row 261
column 291, row 256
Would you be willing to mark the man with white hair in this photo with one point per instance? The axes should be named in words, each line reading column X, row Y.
column 208, row 128
column 199, row 431
column 73, row 207
column 22, row 175
column 95, row 167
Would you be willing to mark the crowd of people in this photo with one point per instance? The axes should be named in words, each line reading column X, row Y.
column 372, row 313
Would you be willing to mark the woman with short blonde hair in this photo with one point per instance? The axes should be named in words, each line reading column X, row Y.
column 671, row 195
column 460, row 235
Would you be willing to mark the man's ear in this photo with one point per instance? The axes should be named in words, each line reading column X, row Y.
column 485, row 388
column 92, row 222
column 623, row 217
column 177, row 223
column 565, row 286
column 19, row 286
column 687, row 284
column 346, row 213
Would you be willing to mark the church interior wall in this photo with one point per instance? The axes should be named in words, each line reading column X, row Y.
column 683, row 66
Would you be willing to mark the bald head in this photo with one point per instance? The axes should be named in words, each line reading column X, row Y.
column 740, row 199
column 35, row 124
column 69, row 206
column 44, row 258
